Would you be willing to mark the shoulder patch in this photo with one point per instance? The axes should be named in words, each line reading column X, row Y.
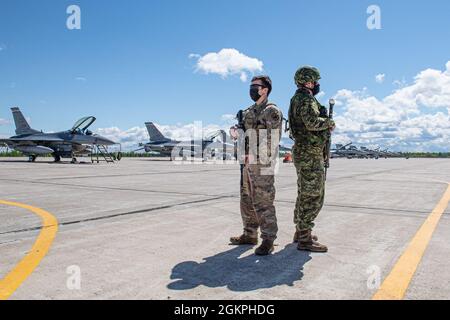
column 273, row 113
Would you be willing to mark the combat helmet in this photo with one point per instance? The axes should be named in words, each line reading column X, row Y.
column 306, row 74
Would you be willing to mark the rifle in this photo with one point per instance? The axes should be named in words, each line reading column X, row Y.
column 240, row 125
column 328, row 146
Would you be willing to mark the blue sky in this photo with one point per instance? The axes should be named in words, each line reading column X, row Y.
column 130, row 62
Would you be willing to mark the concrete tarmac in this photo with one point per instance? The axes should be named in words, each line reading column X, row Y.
column 145, row 229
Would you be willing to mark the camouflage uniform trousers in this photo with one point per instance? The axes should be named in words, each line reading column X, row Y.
column 311, row 186
column 257, row 198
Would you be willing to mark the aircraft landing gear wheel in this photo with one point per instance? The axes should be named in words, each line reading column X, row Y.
column 32, row 158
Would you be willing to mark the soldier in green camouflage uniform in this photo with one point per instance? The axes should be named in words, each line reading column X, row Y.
column 262, row 124
column 309, row 127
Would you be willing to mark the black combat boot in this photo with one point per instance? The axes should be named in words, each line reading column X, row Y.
column 265, row 248
column 243, row 239
column 307, row 243
column 297, row 234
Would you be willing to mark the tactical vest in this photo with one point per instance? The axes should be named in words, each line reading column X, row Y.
column 296, row 125
column 298, row 130
column 253, row 118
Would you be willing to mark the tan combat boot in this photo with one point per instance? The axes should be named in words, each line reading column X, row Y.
column 243, row 239
column 307, row 243
column 297, row 234
column 265, row 248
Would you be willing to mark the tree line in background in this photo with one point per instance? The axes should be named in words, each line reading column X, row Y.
column 12, row 153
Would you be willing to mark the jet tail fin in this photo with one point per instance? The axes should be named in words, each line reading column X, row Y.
column 221, row 134
column 22, row 126
column 154, row 133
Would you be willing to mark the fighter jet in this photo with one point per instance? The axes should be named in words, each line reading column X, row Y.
column 66, row 144
column 347, row 151
column 168, row 147
column 386, row 153
column 392, row 154
column 372, row 153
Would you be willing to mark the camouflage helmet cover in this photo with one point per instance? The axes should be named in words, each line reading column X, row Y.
column 306, row 74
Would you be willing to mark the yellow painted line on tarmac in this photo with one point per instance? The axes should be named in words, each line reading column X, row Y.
column 397, row 282
column 26, row 266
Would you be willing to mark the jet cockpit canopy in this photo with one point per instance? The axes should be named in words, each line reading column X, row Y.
column 83, row 124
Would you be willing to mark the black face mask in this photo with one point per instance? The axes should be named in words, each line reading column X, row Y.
column 316, row 89
column 254, row 93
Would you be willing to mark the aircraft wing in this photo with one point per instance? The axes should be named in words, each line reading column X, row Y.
column 34, row 139
column 5, row 142
column 8, row 142
column 218, row 145
column 182, row 145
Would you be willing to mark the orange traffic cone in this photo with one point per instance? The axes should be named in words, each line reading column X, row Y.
column 287, row 158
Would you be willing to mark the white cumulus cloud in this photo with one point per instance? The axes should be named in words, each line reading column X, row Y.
column 231, row 118
column 227, row 62
column 379, row 78
column 400, row 83
column 413, row 117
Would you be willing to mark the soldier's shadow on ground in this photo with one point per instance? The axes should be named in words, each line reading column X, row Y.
column 248, row 273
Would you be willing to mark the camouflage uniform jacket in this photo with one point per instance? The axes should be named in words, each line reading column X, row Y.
column 262, row 119
column 308, row 122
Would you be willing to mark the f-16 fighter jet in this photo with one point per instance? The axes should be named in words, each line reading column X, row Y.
column 66, row 144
